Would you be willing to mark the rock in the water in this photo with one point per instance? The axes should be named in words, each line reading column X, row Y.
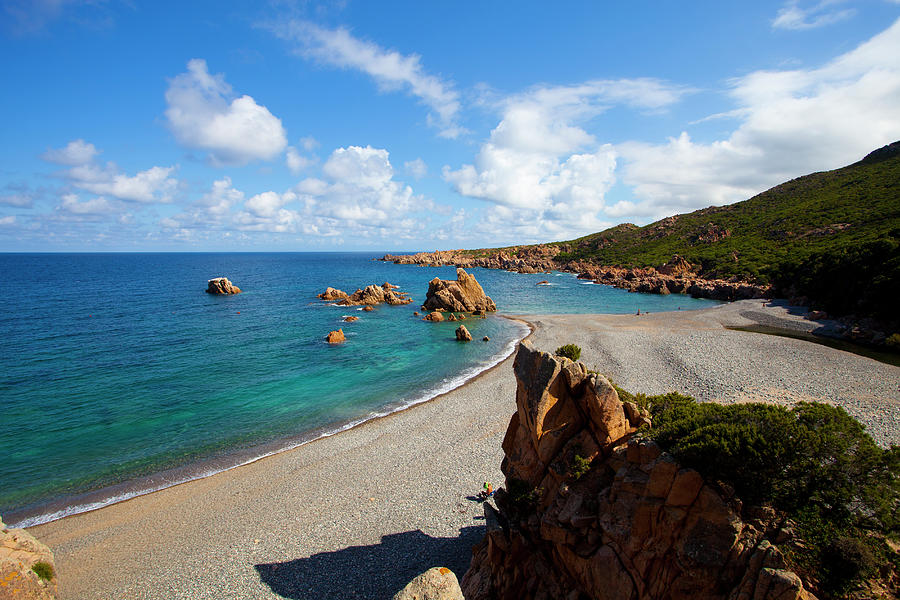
column 335, row 337
column 435, row 317
column 332, row 295
column 27, row 570
column 350, row 318
column 485, row 339
column 220, row 286
column 636, row 525
column 544, row 282
column 438, row 583
column 371, row 294
column 415, row 313
column 462, row 334
column 368, row 308
column 463, row 295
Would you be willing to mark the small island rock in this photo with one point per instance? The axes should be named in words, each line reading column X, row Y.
column 462, row 334
column 368, row 308
column 463, row 295
column 221, row 286
column 335, row 337
column 331, row 294
column 435, row 317
column 350, row 318
column 485, row 339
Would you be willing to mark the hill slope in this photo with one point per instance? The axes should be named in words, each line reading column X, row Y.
column 756, row 239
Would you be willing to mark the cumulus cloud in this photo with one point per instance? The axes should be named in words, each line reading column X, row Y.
column 544, row 172
column 8, row 220
column 792, row 122
column 85, row 173
column 295, row 161
column 76, row 152
column 358, row 195
column 95, row 206
column 390, row 69
column 204, row 113
column 417, row 168
column 793, row 16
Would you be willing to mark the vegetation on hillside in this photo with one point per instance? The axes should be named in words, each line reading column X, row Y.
column 832, row 236
column 812, row 462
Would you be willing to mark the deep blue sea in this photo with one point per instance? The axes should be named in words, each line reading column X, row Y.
column 119, row 375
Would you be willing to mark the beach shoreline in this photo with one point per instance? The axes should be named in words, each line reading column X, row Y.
column 397, row 493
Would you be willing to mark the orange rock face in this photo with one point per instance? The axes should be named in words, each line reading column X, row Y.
column 335, row 337
column 221, row 286
column 350, row 319
column 635, row 526
column 435, row 317
column 463, row 295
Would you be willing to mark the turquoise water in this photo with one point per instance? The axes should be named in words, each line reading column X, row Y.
column 119, row 375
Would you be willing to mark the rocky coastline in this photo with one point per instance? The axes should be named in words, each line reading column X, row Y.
column 591, row 511
column 675, row 277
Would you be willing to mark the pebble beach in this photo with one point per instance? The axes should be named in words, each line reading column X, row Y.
column 360, row 513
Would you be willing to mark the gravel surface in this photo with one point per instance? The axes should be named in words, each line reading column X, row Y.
column 359, row 514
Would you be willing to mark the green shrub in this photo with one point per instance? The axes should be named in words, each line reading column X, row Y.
column 570, row 351
column 814, row 462
column 893, row 341
column 580, row 466
column 43, row 570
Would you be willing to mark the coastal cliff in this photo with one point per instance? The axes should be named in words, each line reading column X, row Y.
column 590, row 511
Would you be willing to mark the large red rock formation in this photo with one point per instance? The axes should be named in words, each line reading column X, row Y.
column 463, row 295
column 370, row 295
column 591, row 511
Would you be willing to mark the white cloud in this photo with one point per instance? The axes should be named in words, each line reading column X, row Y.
column 85, row 173
column 203, row 113
column 417, row 168
column 95, row 206
column 358, row 195
column 792, row 16
column 8, row 220
column 547, row 175
column 791, row 123
column 390, row 69
column 309, row 143
column 76, row 152
column 295, row 161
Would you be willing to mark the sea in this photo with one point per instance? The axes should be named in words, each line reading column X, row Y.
column 120, row 376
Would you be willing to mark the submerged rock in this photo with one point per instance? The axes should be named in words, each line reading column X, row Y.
column 351, row 318
column 221, row 286
column 463, row 295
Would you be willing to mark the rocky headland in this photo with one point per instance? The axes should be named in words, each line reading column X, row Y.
column 369, row 296
column 591, row 511
column 27, row 569
column 221, row 286
column 464, row 294
column 675, row 277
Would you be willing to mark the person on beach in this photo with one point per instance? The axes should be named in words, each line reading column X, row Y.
column 487, row 490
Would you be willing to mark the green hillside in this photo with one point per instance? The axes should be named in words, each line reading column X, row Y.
column 833, row 236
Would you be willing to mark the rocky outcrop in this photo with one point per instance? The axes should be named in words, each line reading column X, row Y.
column 434, row 317
column 335, row 337
column 370, row 295
column 463, row 295
column 683, row 281
column 27, row 570
column 590, row 510
column 333, row 295
column 677, row 276
column 221, row 286
column 350, row 319
column 462, row 334
column 521, row 259
column 438, row 583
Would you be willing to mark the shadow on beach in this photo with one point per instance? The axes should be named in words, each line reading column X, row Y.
column 375, row 571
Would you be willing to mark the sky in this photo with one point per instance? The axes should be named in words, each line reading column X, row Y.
column 398, row 126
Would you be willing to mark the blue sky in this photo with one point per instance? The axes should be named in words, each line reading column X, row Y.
column 210, row 126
